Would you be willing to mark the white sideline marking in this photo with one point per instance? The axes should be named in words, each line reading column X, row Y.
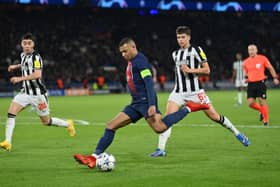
column 36, row 121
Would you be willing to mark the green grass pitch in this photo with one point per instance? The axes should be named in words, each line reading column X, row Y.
column 200, row 152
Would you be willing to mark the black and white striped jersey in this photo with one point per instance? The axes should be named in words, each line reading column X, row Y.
column 238, row 67
column 29, row 63
column 193, row 57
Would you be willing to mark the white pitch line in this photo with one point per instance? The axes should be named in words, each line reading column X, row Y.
column 36, row 121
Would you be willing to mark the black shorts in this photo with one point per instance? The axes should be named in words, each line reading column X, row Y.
column 256, row 89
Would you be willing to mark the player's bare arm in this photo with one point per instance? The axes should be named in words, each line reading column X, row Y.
column 13, row 67
column 37, row 74
column 205, row 69
column 273, row 74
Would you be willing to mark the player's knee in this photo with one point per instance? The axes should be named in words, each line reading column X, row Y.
column 47, row 122
column 10, row 115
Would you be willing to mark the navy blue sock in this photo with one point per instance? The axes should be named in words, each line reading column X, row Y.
column 173, row 118
column 105, row 141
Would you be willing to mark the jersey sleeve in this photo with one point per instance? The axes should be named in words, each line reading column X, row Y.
column 144, row 68
column 37, row 62
column 234, row 66
column 201, row 56
column 266, row 62
column 145, row 72
column 174, row 56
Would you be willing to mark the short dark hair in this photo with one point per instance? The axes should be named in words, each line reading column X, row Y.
column 183, row 30
column 28, row 36
column 125, row 41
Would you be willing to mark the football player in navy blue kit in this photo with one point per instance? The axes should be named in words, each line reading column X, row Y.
column 144, row 102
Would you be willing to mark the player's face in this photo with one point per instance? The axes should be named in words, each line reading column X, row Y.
column 27, row 46
column 252, row 50
column 183, row 40
column 127, row 51
column 238, row 56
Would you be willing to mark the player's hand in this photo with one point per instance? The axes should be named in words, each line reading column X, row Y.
column 185, row 68
column 12, row 68
column 152, row 111
column 276, row 81
column 15, row 80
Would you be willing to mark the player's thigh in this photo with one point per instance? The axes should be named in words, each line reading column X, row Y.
column 198, row 97
column 172, row 107
column 121, row 120
column 15, row 108
column 177, row 98
column 41, row 105
column 261, row 91
column 19, row 102
column 237, row 83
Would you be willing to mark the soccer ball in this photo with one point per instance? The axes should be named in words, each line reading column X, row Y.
column 105, row 162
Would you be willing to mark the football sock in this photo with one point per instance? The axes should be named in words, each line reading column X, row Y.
column 163, row 137
column 239, row 98
column 256, row 106
column 225, row 122
column 265, row 113
column 10, row 125
column 105, row 141
column 173, row 118
column 59, row 122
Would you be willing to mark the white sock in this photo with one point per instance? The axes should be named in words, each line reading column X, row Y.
column 230, row 126
column 59, row 122
column 10, row 125
column 163, row 137
column 239, row 98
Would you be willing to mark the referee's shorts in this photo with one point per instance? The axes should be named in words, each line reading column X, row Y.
column 256, row 89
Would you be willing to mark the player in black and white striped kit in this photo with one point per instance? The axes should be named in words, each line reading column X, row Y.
column 238, row 75
column 190, row 62
column 33, row 91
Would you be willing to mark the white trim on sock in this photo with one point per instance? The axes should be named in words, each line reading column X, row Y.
column 59, row 122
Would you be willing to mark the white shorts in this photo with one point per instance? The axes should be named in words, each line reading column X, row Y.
column 181, row 98
column 241, row 83
column 38, row 102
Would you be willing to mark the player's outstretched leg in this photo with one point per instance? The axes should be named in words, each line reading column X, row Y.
column 163, row 137
column 88, row 160
column 243, row 139
column 193, row 107
column 63, row 123
column 71, row 128
column 6, row 145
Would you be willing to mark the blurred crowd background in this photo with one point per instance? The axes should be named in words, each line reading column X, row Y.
column 79, row 44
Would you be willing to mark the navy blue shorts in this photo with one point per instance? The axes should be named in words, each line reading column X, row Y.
column 138, row 110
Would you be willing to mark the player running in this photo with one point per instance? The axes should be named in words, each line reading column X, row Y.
column 144, row 102
column 33, row 92
column 190, row 62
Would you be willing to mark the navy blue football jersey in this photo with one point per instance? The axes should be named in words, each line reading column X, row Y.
column 137, row 69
